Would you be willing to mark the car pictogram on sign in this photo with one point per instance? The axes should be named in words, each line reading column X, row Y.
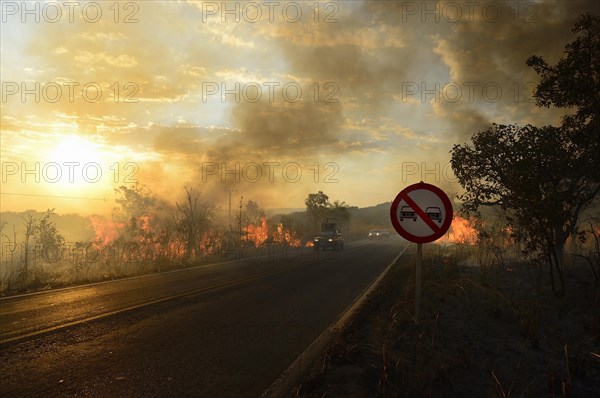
column 434, row 213
column 421, row 213
column 407, row 212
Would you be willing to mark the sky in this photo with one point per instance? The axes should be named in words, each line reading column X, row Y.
column 269, row 100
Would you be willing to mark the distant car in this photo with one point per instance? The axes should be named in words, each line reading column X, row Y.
column 408, row 213
column 378, row 234
column 329, row 240
column 434, row 213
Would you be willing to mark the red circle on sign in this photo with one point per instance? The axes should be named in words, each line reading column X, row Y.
column 436, row 234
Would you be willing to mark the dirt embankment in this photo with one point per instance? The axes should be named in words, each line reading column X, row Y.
column 484, row 332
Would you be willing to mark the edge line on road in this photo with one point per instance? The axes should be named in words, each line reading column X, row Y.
column 294, row 373
column 117, row 280
column 203, row 289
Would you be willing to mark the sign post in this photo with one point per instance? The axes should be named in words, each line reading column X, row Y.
column 421, row 213
column 418, row 281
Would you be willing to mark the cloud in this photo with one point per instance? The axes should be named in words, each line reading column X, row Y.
column 487, row 60
column 288, row 128
column 368, row 56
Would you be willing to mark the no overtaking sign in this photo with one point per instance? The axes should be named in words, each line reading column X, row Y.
column 421, row 213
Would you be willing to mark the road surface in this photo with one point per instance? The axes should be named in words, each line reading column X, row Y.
column 225, row 330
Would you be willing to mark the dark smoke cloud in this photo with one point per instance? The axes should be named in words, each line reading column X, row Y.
column 494, row 53
column 485, row 49
column 288, row 129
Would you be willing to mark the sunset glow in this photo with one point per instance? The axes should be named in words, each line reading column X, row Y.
column 299, row 198
column 355, row 98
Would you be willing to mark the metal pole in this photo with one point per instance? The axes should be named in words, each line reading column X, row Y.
column 418, row 281
column 241, row 202
column 230, row 190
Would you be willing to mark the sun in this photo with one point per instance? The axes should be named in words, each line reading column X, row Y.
column 76, row 166
column 74, row 148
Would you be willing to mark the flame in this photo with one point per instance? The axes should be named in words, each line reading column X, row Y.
column 461, row 231
column 257, row 234
column 309, row 244
column 283, row 236
column 145, row 223
column 154, row 242
column 105, row 231
column 209, row 243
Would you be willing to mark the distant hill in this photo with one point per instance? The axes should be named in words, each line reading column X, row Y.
column 72, row 226
column 362, row 220
column 283, row 210
column 372, row 217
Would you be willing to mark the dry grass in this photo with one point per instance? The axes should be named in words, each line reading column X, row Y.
column 495, row 332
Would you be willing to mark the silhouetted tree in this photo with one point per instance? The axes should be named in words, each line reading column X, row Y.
column 137, row 205
column 252, row 214
column 193, row 219
column 537, row 175
column 316, row 207
column 45, row 235
column 340, row 211
column 574, row 83
column 543, row 177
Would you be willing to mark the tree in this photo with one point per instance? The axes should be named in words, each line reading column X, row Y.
column 538, row 175
column 574, row 82
column 30, row 224
column 45, row 234
column 192, row 219
column 340, row 211
column 136, row 203
column 590, row 235
column 48, row 236
column 316, row 206
column 253, row 213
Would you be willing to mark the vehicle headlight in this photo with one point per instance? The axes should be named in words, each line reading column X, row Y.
column 330, row 239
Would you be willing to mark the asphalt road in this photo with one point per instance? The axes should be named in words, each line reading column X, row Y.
column 225, row 330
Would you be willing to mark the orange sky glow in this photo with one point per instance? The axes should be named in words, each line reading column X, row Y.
column 357, row 99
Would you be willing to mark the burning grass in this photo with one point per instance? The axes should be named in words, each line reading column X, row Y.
column 119, row 249
column 260, row 235
column 462, row 231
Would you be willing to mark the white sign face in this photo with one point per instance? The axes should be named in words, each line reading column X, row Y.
column 430, row 204
column 421, row 213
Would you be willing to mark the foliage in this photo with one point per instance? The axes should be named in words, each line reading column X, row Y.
column 537, row 175
column 588, row 237
column 543, row 177
column 192, row 220
column 339, row 211
column 136, row 205
column 316, row 206
column 252, row 214
column 45, row 234
column 574, row 82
